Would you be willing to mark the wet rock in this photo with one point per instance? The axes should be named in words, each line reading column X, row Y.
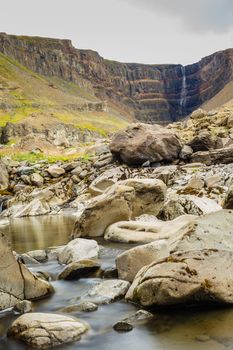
column 80, row 269
column 55, row 171
column 17, row 283
column 28, row 260
column 191, row 277
column 123, row 200
column 140, row 143
column 123, row 326
column 39, row 255
column 23, row 307
column 79, row 249
column 107, row 292
column 43, row 330
column 84, row 306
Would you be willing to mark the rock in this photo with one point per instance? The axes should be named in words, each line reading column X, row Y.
column 85, row 306
column 28, row 260
column 202, row 338
column 186, row 152
column 37, row 180
column 212, row 181
column 191, row 277
column 140, row 143
column 196, row 184
column 128, row 323
column 228, row 201
column 122, row 201
column 123, row 326
column 17, row 283
column 55, row 171
column 198, row 114
column 4, row 177
column 39, row 255
column 177, row 205
column 43, row 330
column 131, row 261
column 23, row 307
column 78, row 249
column 217, row 156
column 146, row 232
column 105, row 180
column 202, row 142
column 80, row 269
column 107, row 292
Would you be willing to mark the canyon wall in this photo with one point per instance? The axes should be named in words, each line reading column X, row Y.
column 155, row 93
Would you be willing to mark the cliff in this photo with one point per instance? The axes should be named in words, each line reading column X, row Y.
column 155, row 93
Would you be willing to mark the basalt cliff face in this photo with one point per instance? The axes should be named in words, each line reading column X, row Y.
column 154, row 93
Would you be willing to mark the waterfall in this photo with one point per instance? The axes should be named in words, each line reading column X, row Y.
column 183, row 93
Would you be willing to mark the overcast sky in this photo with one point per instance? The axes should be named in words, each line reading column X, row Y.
column 147, row 31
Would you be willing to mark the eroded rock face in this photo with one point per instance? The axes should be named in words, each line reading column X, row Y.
column 17, row 283
column 192, row 277
column 43, row 330
column 122, row 201
column 140, row 143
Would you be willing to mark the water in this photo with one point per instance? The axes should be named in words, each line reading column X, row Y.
column 175, row 329
column 183, row 94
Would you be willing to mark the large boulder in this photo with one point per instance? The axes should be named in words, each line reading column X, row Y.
column 177, row 205
column 122, row 201
column 43, row 330
column 186, row 233
column 140, row 143
column 143, row 231
column 16, row 281
column 4, row 177
column 193, row 277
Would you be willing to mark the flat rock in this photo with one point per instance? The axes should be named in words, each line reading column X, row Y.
column 107, row 292
column 43, row 330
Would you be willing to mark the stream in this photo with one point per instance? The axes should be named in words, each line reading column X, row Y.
column 176, row 329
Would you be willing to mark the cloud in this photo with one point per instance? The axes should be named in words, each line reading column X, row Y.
column 195, row 15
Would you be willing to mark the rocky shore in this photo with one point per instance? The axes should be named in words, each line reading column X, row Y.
column 168, row 191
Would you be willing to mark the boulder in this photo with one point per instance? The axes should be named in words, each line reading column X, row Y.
column 140, row 143
column 192, row 277
column 23, row 307
column 131, row 261
column 79, row 269
column 17, row 283
column 202, row 142
column 177, row 205
column 4, row 177
column 43, row 330
column 141, row 231
column 217, row 156
column 186, row 152
column 105, row 180
column 228, row 201
column 198, row 114
column 122, row 201
column 78, row 249
column 128, row 323
column 107, row 292
column 84, row 306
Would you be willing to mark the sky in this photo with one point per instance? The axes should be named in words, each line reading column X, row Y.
column 143, row 31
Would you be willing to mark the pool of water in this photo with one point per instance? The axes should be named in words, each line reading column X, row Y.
column 176, row 329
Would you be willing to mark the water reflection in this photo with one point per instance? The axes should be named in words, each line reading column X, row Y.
column 39, row 232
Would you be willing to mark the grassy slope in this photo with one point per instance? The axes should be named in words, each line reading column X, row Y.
column 23, row 92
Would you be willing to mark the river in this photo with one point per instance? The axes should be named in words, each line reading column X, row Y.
column 176, row 329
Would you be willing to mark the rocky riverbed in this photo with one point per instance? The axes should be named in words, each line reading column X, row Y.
column 146, row 225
